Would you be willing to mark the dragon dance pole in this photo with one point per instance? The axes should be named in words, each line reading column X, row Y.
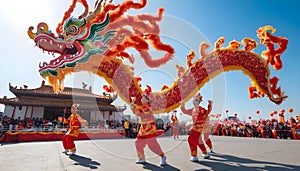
column 64, row 117
column 227, row 114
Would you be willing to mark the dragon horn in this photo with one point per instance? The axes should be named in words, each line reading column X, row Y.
column 98, row 8
column 59, row 28
column 86, row 10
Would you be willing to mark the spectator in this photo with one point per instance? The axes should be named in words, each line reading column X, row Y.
column 126, row 128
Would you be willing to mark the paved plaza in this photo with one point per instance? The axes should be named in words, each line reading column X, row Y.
column 232, row 153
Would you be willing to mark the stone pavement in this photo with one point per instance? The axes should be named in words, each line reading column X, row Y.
column 232, row 153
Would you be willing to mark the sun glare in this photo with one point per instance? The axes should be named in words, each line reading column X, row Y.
column 25, row 13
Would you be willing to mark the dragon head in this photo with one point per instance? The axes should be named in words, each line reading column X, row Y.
column 77, row 42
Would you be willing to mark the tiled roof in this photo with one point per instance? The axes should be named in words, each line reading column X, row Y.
column 45, row 96
column 57, row 103
column 47, row 91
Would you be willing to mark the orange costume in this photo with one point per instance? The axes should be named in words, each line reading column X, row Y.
column 293, row 124
column 175, row 125
column 147, row 132
column 74, row 121
column 199, row 116
column 206, row 133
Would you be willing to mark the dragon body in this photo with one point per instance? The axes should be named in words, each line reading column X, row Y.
column 98, row 42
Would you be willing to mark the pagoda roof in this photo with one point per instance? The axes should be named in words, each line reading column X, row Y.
column 55, row 103
column 44, row 96
column 68, row 92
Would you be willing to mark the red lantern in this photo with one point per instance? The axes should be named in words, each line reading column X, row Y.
column 227, row 111
column 275, row 112
column 257, row 112
column 271, row 114
column 282, row 110
column 235, row 114
column 249, row 117
column 291, row 110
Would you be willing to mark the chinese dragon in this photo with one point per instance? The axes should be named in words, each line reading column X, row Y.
column 98, row 41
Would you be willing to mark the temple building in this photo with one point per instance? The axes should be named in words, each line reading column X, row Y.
column 42, row 102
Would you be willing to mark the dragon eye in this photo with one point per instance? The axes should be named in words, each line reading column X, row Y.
column 72, row 30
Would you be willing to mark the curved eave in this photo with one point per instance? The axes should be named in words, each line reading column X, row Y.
column 46, row 91
column 121, row 108
column 10, row 101
column 43, row 103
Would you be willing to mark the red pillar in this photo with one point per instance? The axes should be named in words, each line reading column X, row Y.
column 32, row 108
column 25, row 113
column 13, row 113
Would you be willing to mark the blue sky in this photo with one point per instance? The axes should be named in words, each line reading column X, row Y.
column 233, row 19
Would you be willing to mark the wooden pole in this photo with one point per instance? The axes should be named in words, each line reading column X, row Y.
column 64, row 117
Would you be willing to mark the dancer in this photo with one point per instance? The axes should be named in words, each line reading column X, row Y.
column 175, row 125
column 147, row 132
column 199, row 116
column 75, row 121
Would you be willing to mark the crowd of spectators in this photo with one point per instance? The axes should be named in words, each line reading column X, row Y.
column 18, row 124
column 8, row 124
column 270, row 128
column 46, row 125
column 107, row 124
